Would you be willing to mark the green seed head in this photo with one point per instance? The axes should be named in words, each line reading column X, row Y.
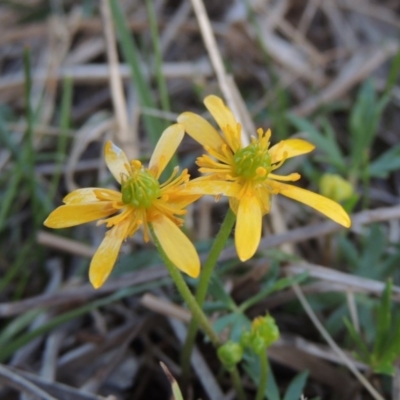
column 140, row 189
column 230, row 353
column 252, row 162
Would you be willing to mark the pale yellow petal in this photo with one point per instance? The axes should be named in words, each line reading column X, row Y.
column 220, row 112
column 116, row 160
column 78, row 196
column 166, row 148
column 177, row 246
column 248, row 227
column 324, row 205
column 182, row 199
column 76, row 214
column 106, row 255
column 212, row 187
column 226, row 121
column 289, row 148
column 201, row 130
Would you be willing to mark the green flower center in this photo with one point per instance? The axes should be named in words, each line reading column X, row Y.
column 140, row 189
column 252, row 162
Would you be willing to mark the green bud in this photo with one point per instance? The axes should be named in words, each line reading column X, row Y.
column 258, row 344
column 245, row 339
column 268, row 330
column 335, row 187
column 230, row 353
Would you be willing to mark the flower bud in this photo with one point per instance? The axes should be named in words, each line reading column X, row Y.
column 230, row 353
column 335, row 187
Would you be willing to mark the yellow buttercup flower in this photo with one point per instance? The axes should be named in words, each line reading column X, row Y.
column 246, row 174
column 142, row 200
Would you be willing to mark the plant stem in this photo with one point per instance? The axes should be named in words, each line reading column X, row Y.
column 263, row 376
column 197, row 312
column 202, row 286
column 237, row 383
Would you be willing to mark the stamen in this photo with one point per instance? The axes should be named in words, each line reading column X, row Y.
column 261, row 171
column 291, row 177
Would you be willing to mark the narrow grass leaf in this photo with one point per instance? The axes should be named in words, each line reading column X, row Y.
column 296, row 387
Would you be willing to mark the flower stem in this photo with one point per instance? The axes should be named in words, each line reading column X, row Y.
column 237, row 382
column 263, row 377
column 202, row 286
column 197, row 312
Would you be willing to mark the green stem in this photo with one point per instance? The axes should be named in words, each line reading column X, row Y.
column 263, row 377
column 202, row 286
column 197, row 312
column 237, row 383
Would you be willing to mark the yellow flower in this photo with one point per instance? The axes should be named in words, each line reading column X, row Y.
column 246, row 174
column 142, row 200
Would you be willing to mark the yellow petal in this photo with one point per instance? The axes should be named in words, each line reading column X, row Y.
column 248, row 226
column 166, row 148
column 226, row 121
column 204, row 185
column 181, row 199
column 116, row 160
column 220, row 112
column 292, row 148
column 76, row 214
column 201, row 130
column 85, row 195
column 324, row 205
column 177, row 246
column 106, row 255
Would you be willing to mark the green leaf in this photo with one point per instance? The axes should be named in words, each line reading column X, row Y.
column 363, row 123
column 384, row 320
column 385, row 163
column 324, row 143
column 296, row 387
column 217, row 290
column 224, row 322
column 363, row 351
column 272, row 287
column 373, row 250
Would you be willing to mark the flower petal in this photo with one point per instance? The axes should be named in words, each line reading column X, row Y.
column 76, row 214
column 292, row 148
column 204, row 185
column 248, row 226
column 220, row 112
column 107, row 253
column 177, row 246
column 116, row 160
column 166, row 147
column 230, row 127
column 182, row 199
column 79, row 196
column 201, row 130
column 324, row 205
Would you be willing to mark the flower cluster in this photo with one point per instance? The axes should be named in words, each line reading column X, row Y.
column 246, row 174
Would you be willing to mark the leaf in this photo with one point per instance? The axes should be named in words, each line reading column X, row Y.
column 217, row 290
column 363, row 351
column 363, row 123
column 373, row 250
column 385, row 163
column 325, row 143
column 225, row 321
column 251, row 366
column 296, row 387
column 384, row 320
column 176, row 392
